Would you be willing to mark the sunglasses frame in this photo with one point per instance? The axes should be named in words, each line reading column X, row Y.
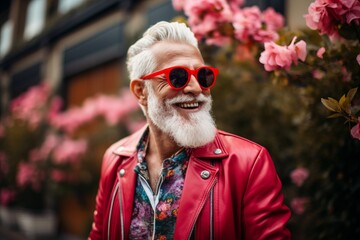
column 190, row 72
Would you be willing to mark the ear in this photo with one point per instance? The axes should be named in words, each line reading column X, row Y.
column 137, row 87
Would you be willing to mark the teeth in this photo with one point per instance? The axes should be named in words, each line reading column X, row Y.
column 189, row 105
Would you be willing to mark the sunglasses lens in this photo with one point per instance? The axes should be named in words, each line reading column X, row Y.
column 206, row 77
column 178, row 77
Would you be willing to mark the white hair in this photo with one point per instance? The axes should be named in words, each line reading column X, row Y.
column 140, row 61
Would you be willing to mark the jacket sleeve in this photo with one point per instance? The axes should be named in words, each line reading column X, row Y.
column 102, row 197
column 264, row 214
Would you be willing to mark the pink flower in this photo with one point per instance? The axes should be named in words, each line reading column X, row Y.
column 207, row 16
column 355, row 131
column 319, row 17
column 218, row 39
column 265, row 35
column 69, row 151
column 246, row 23
column 42, row 153
column 70, row 120
column 235, row 4
column 326, row 15
column 58, row 175
column 275, row 56
column 318, row 74
column 6, row 196
column 252, row 24
column 298, row 205
column 27, row 175
column 298, row 50
column 178, row 4
column 112, row 108
column 346, row 74
column 29, row 105
column 358, row 58
column 320, row 52
column 272, row 19
column 348, row 11
column 54, row 108
column 299, row 175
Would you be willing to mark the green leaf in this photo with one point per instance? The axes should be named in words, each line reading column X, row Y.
column 342, row 100
column 331, row 104
column 351, row 94
column 345, row 104
column 335, row 115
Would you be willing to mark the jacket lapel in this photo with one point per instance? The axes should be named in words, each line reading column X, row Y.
column 195, row 193
column 197, row 186
column 127, row 180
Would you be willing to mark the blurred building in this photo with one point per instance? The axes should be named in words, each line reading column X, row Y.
column 79, row 46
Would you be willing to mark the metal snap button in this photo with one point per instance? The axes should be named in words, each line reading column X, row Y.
column 122, row 172
column 205, row 174
column 217, row 151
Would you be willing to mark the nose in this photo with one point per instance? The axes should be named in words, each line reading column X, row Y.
column 193, row 86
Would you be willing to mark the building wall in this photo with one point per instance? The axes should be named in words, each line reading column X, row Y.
column 91, row 54
column 295, row 11
column 62, row 59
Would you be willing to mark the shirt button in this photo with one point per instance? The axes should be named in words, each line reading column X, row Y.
column 205, row 174
column 122, row 172
column 217, row 151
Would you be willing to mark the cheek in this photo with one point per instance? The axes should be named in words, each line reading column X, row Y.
column 206, row 92
column 165, row 92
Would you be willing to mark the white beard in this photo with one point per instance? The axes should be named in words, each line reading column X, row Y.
column 196, row 130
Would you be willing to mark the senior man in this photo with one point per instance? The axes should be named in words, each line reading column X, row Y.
column 179, row 177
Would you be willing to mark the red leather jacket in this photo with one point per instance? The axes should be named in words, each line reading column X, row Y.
column 231, row 191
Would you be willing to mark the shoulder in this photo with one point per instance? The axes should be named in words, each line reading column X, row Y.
column 124, row 148
column 243, row 152
column 237, row 143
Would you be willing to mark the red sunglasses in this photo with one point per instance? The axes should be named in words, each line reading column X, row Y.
column 178, row 76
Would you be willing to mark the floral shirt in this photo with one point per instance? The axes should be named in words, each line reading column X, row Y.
column 154, row 213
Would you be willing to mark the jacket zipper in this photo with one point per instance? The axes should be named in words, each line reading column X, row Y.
column 211, row 212
column 212, row 208
column 111, row 207
column 121, row 214
column 197, row 215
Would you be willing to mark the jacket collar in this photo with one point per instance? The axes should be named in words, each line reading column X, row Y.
column 213, row 150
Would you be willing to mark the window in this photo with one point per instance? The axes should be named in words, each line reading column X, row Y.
column 5, row 37
column 66, row 5
column 35, row 18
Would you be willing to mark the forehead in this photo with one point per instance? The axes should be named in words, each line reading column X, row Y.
column 173, row 53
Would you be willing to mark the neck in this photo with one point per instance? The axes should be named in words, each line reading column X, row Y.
column 161, row 146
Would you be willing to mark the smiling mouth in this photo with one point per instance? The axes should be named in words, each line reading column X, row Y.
column 193, row 105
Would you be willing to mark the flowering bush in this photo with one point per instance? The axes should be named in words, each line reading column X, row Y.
column 26, row 176
column 43, row 154
column 277, row 87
